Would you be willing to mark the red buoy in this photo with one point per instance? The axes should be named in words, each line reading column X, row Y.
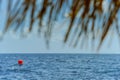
column 20, row 62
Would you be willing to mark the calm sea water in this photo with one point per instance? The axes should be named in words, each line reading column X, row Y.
column 60, row 67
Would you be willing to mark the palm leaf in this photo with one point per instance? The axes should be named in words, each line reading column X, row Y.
column 80, row 12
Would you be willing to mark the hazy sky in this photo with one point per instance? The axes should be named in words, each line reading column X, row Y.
column 36, row 44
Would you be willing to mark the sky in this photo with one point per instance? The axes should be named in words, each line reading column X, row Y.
column 35, row 44
column 12, row 43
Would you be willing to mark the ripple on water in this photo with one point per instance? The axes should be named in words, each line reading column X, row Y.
column 60, row 67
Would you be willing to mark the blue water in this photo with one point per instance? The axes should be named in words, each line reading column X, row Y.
column 60, row 67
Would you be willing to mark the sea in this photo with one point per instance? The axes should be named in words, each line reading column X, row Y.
column 60, row 67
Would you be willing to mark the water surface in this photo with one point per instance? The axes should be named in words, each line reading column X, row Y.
column 60, row 67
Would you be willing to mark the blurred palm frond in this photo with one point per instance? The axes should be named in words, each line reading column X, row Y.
column 85, row 17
